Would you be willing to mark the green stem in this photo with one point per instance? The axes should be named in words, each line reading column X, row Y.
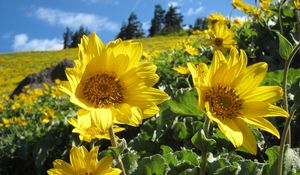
column 286, row 129
column 114, row 144
column 204, row 152
column 279, row 16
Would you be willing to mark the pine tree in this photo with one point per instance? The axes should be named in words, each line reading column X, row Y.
column 200, row 24
column 133, row 29
column 76, row 37
column 67, row 36
column 157, row 21
column 122, row 33
column 172, row 21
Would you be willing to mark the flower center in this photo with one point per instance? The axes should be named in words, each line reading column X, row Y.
column 103, row 90
column 93, row 131
column 224, row 102
column 218, row 42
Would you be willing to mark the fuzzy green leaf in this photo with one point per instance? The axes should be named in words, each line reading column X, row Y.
column 285, row 47
column 201, row 142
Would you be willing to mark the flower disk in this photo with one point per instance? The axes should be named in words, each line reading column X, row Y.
column 102, row 90
column 224, row 102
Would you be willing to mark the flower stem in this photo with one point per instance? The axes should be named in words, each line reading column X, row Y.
column 114, row 144
column 286, row 129
column 204, row 152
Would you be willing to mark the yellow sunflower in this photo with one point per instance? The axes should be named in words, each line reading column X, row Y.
column 84, row 162
column 264, row 4
column 182, row 70
column 111, row 85
column 221, row 37
column 297, row 4
column 240, row 5
column 89, row 130
column 230, row 94
column 191, row 50
column 214, row 18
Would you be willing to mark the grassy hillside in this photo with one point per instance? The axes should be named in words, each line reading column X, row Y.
column 15, row 66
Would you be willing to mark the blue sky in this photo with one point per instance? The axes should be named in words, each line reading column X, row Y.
column 39, row 24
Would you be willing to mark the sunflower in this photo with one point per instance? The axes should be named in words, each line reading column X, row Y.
column 297, row 4
column 229, row 93
column 89, row 130
column 221, row 37
column 264, row 4
column 182, row 70
column 111, row 85
column 214, row 18
column 239, row 4
column 84, row 162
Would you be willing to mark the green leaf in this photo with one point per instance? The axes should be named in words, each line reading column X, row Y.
column 188, row 156
column 185, row 104
column 201, row 142
column 130, row 161
column 288, row 11
column 285, row 47
column 153, row 165
column 273, row 154
column 181, row 131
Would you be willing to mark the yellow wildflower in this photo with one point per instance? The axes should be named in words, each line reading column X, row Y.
column 84, row 162
column 48, row 115
column 297, row 4
column 221, row 37
column 191, row 50
column 237, row 22
column 230, row 94
column 182, row 70
column 214, row 18
column 89, row 130
column 264, row 4
column 15, row 106
column 110, row 83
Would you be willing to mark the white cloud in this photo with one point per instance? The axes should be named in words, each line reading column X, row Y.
column 22, row 43
column 75, row 20
column 191, row 11
column 173, row 3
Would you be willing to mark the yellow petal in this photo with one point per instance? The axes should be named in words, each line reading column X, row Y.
column 232, row 131
column 249, row 141
column 262, row 124
column 257, row 109
column 95, row 45
column 104, row 164
column 62, row 167
column 91, row 158
column 102, row 118
column 217, row 61
column 77, row 157
column 268, row 94
column 250, row 79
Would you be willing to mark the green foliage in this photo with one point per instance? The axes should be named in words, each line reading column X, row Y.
column 285, row 47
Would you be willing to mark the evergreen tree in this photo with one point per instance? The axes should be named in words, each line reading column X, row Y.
column 133, row 29
column 67, row 38
column 172, row 21
column 76, row 37
column 157, row 21
column 200, row 24
column 122, row 33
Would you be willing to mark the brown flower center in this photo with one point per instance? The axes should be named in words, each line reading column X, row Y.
column 103, row 90
column 218, row 42
column 223, row 102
